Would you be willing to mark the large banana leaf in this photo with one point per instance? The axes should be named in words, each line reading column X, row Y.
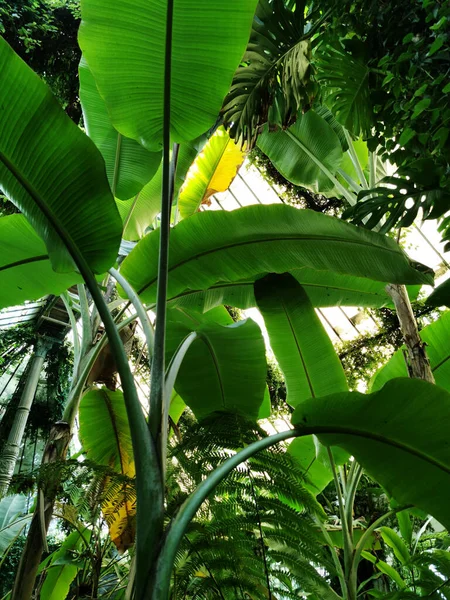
column 296, row 151
column 124, row 44
column 52, row 171
column 139, row 212
column 212, row 172
column 25, row 269
column 398, row 434
column 106, row 439
column 12, row 520
column 304, row 353
column 297, row 337
column 129, row 166
column 224, row 369
column 436, row 337
column 216, row 246
column 323, row 288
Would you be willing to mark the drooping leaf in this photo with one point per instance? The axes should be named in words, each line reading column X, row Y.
column 301, row 345
column 12, row 520
column 218, row 246
column 398, row 434
column 52, row 171
column 304, row 353
column 344, row 76
column 129, row 165
column 124, row 44
column 25, row 269
column 383, row 566
column 223, row 370
column 296, row 151
column 138, row 213
column 435, row 336
column 419, row 183
column 106, row 440
column 271, row 84
column 212, row 172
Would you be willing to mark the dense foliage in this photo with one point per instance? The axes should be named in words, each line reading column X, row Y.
column 182, row 451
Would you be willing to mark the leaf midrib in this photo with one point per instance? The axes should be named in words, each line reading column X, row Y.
column 24, row 261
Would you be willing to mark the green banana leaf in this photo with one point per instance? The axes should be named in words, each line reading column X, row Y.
column 25, row 269
column 304, row 353
column 124, row 44
column 12, row 521
column 224, row 369
column 296, row 151
column 216, row 246
column 129, row 166
column 53, row 172
column 399, row 435
column 436, row 337
column 301, row 345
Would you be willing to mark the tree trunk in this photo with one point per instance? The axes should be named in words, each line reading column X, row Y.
column 55, row 450
column 417, row 359
column 12, row 446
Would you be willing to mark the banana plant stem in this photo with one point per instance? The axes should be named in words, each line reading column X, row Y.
column 140, row 310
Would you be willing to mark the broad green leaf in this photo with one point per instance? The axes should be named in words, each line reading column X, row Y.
column 224, row 369
column 394, row 541
column 177, row 407
column 25, row 269
column 12, row 520
column 129, row 166
column 124, row 44
column 226, row 247
column 212, row 172
column 382, row 566
column 313, row 463
column 296, row 151
column 52, row 171
column 441, row 295
column 304, row 353
column 138, row 213
column 323, row 288
column 398, row 434
column 297, row 337
column 64, row 566
column 106, row 440
column 435, row 336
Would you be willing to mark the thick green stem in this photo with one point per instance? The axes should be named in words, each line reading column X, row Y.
column 337, row 562
column 76, row 340
column 353, row 575
column 140, row 311
column 348, row 544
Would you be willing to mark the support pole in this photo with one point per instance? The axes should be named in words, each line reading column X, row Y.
column 11, row 449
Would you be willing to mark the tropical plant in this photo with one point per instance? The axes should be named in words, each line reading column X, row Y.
column 80, row 193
